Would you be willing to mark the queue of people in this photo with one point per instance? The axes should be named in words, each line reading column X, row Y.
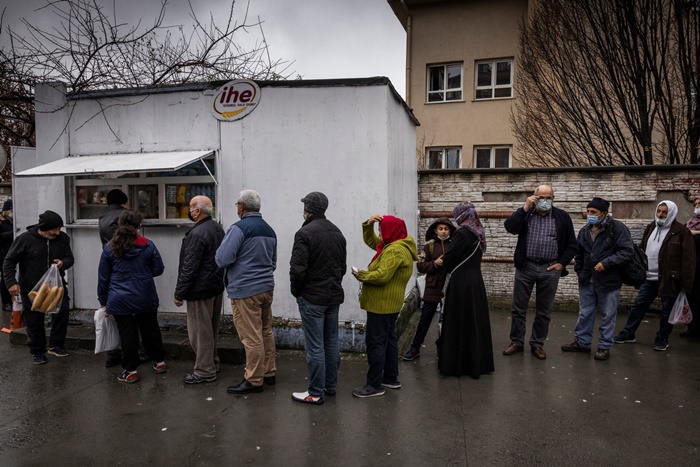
column 241, row 262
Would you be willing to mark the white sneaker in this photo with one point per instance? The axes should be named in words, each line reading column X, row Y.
column 306, row 398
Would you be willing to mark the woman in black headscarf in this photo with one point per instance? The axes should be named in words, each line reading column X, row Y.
column 464, row 346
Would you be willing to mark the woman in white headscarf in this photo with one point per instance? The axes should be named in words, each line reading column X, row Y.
column 671, row 267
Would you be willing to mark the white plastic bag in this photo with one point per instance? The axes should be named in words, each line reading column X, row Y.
column 681, row 314
column 420, row 283
column 106, row 332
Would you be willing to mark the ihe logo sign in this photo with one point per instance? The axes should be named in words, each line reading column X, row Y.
column 235, row 100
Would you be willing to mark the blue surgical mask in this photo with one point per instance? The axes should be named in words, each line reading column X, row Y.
column 304, row 216
column 9, row 214
column 593, row 220
column 544, row 205
column 660, row 222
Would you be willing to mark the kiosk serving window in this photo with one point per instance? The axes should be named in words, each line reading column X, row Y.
column 159, row 185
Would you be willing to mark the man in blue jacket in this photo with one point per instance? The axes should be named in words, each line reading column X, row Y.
column 248, row 255
column 546, row 244
column 604, row 247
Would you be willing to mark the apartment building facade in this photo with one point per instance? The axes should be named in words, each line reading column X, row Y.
column 461, row 79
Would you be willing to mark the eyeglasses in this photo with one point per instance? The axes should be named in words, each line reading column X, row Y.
column 547, row 198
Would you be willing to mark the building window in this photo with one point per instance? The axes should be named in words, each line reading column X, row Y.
column 492, row 157
column 445, row 83
column 494, row 80
column 444, row 158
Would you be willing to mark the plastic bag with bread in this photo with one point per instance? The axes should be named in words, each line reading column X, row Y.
column 47, row 294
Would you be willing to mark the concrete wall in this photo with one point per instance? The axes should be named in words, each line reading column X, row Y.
column 633, row 191
column 354, row 143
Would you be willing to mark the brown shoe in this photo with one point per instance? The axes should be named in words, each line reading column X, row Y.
column 538, row 352
column 512, row 349
column 575, row 347
column 602, row 354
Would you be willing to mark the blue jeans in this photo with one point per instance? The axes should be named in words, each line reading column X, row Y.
column 526, row 278
column 590, row 300
column 647, row 293
column 322, row 349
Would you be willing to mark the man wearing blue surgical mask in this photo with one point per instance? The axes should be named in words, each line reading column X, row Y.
column 670, row 250
column 604, row 246
column 546, row 244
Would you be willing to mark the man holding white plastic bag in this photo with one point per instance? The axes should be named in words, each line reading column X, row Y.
column 671, row 269
column 35, row 251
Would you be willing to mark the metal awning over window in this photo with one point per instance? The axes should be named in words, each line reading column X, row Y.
column 109, row 163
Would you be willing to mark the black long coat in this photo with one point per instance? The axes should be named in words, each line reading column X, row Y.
column 464, row 347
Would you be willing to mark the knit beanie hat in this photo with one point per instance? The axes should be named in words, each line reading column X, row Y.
column 599, row 204
column 117, row 196
column 7, row 205
column 49, row 220
column 315, row 202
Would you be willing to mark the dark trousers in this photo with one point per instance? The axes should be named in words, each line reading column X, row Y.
column 34, row 320
column 129, row 327
column 648, row 291
column 5, row 295
column 427, row 313
column 382, row 348
column 533, row 275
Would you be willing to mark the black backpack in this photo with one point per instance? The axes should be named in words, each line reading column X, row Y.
column 635, row 272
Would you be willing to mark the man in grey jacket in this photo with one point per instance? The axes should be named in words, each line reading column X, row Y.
column 316, row 272
column 200, row 282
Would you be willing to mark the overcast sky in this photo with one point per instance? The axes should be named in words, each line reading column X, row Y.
column 324, row 38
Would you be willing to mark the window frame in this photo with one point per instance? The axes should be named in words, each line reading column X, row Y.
column 493, row 86
column 492, row 156
column 443, row 150
column 446, row 90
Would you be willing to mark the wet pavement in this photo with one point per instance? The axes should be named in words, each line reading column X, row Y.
column 639, row 408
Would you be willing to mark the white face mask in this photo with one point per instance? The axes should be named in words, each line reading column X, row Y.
column 697, row 211
column 660, row 221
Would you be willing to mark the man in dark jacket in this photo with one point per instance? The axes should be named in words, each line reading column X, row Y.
column 670, row 250
column 201, row 283
column 7, row 235
column 604, row 246
column 117, row 202
column 316, row 273
column 35, row 251
column 546, row 244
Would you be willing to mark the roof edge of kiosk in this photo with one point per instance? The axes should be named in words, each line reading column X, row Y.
column 297, row 83
column 108, row 163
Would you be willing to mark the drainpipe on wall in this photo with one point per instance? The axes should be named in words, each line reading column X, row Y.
column 409, row 40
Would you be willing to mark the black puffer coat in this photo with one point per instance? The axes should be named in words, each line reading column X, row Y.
column 35, row 254
column 433, row 249
column 319, row 262
column 198, row 276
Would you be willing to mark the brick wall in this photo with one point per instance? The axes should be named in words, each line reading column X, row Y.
column 633, row 192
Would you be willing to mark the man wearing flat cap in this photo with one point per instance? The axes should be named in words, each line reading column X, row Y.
column 316, row 272
column 604, row 247
column 35, row 251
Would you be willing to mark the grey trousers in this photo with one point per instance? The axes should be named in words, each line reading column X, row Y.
column 526, row 279
column 203, row 318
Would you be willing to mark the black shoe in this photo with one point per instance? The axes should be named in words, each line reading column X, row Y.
column 245, row 387
column 39, row 359
column 412, row 354
column 113, row 361
column 270, row 380
column 329, row 392
column 57, row 351
column 575, row 347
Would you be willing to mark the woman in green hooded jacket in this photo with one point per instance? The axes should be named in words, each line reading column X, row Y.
column 383, row 292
